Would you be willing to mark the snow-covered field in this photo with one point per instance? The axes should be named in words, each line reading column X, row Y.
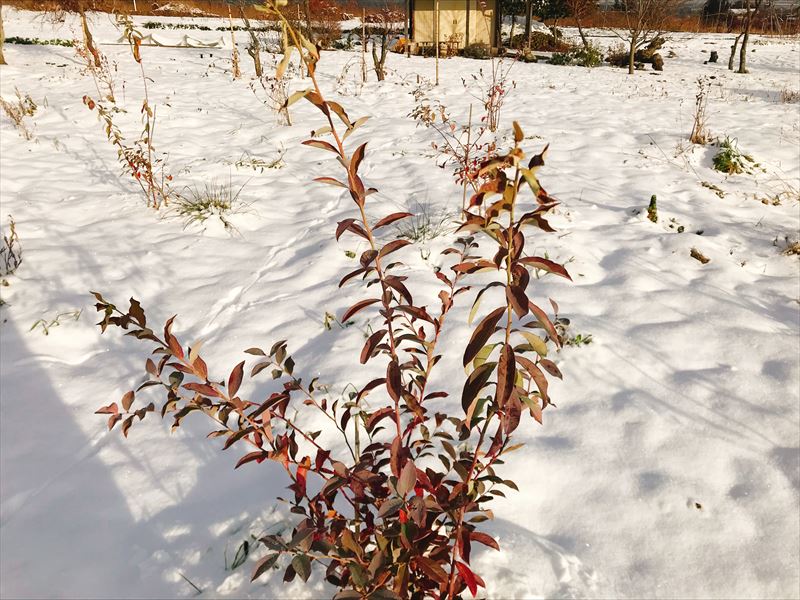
column 671, row 467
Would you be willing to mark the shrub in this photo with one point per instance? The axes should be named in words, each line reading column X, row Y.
column 382, row 516
column 541, row 41
column 790, row 96
column 561, row 58
column 37, row 42
column 731, row 160
column 477, row 50
column 589, row 56
column 584, row 56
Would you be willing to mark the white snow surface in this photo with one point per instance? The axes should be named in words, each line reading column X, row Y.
column 670, row 468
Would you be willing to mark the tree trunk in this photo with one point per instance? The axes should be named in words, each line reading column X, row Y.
column 743, row 50
column 632, row 58
column 733, row 51
column 513, row 22
column 580, row 31
column 2, row 38
column 528, row 19
column 87, row 37
column 254, row 49
column 379, row 63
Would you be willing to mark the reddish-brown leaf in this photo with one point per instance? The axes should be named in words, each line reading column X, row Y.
column 506, row 374
column 369, row 346
column 111, row 409
column 391, row 219
column 407, row 479
column 377, row 417
column 322, row 145
column 545, row 265
column 484, row 539
column 545, row 322
column 358, row 156
column 258, row 454
column 202, row 388
column 431, row 568
column 235, row 379
column 394, row 382
column 468, row 577
column 127, row 400
column 357, row 307
column 518, row 300
column 352, row 274
column 417, row 313
column 550, row 367
column 393, row 246
column 482, row 333
column 330, row 181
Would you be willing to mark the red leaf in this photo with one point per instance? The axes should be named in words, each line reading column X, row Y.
column 407, row 479
column 202, row 388
column 376, row 417
column 545, row 265
column 174, row 345
column 518, row 300
column 357, row 307
column 482, row 334
column 484, row 539
column 358, row 156
column 468, row 577
column 394, row 383
column 127, row 400
column 111, row 409
column 350, row 275
column 550, row 367
column 235, row 379
column 431, row 569
column 506, row 374
column 321, row 144
column 250, row 458
column 330, row 181
column 545, row 322
column 392, row 246
column 391, row 219
column 370, row 344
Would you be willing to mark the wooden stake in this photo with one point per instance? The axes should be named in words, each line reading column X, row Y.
column 363, row 45
column 436, row 37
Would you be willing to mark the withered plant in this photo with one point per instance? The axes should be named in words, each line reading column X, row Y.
column 10, row 250
column 394, row 510
column 273, row 90
column 493, row 88
column 17, row 110
column 140, row 158
column 98, row 66
column 700, row 134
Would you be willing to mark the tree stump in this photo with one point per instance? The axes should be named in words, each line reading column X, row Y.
column 714, row 56
column 658, row 62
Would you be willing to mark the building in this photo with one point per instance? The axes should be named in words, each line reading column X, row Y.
column 461, row 23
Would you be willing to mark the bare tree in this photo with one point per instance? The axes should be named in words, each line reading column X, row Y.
column 383, row 29
column 581, row 10
column 752, row 7
column 645, row 21
column 254, row 48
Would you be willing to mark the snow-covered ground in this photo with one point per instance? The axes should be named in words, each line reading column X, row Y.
column 671, row 467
